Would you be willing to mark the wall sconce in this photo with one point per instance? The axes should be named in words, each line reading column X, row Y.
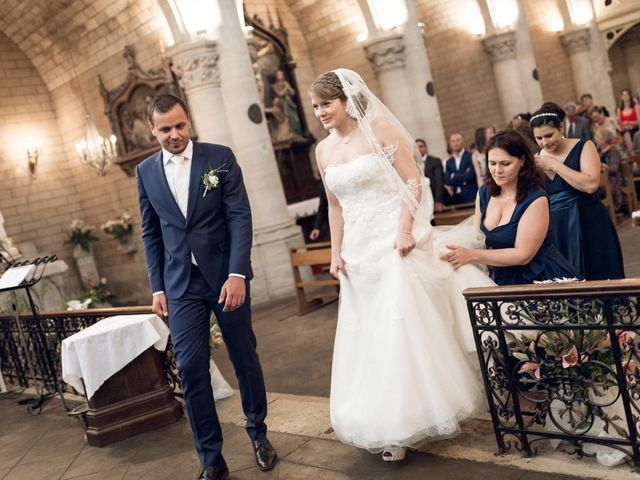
column 34, row 149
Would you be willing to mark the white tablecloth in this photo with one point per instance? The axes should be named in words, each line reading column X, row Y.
column 99, row 351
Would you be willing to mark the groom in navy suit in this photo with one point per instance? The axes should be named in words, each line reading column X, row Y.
column 197, row 234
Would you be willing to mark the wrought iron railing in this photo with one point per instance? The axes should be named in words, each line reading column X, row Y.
column 562, row 362
column 44, row 336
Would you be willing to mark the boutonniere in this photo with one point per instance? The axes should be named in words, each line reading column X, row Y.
column 210, row 179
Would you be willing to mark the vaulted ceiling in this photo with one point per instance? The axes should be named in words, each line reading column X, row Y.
column 60, row 35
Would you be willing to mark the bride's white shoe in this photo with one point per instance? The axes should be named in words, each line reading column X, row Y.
column 391, row 453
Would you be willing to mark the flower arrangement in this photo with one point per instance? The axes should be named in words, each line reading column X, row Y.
column 96, row 293
column 79, row 233
column 121, row 228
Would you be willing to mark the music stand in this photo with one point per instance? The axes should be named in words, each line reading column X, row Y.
column 50, row 384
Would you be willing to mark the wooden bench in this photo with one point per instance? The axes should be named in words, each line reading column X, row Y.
column 309, row 255
column 629, row 189
column 454, row 214
column 605, row 193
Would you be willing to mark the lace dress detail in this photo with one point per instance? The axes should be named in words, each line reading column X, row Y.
column 402, row 366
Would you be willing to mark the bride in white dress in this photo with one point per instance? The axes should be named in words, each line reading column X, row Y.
column 401, row 370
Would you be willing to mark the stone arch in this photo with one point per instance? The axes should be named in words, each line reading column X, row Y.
column 624, row 55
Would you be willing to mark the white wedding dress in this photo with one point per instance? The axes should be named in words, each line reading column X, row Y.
column 402, row 369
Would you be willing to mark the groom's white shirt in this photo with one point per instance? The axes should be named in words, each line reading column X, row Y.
column 173, row 162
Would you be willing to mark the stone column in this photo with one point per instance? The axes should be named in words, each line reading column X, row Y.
column 630, row 43
column 577, row 45
column 273, row 229
column 418, row 72
column 387, row 56
column 527, row 62
column 196, row 65
column 501, row 48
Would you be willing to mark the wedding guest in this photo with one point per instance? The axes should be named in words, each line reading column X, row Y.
column 580, row 224
column 575, row 126
column 512, row 210
column 459, row 176
column 601, row 121
column 627, row 115
column 585, row 105
column 321, row 223
column 483, row 136
column 610, row 155
column 434, row 172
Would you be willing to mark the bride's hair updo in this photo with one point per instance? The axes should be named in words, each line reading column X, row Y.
column 328, row 87
column 548, row 114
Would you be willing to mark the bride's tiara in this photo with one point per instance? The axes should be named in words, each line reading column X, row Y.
column 545, row 114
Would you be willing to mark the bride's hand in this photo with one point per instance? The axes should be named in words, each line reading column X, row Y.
column 337, row 266
column 458, row 256
column 404, row 243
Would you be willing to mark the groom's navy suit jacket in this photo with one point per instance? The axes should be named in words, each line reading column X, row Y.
column 217, row 229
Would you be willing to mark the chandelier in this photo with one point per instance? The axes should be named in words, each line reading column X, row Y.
column 94, row 150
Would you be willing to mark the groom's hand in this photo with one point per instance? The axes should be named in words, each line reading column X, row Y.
column 159, row 305
column 232, row 293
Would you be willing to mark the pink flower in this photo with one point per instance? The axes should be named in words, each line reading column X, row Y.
column 531, row 367
column 625, row 337
column 570, row 358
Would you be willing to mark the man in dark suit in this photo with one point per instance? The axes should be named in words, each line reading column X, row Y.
column 459, row 176
column 575, row 126
column 197, row 234
column 434, row 172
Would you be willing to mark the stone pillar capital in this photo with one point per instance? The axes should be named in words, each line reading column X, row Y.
column 575, row 41
column 386, row 53
column 196, row 64
column 500, row 46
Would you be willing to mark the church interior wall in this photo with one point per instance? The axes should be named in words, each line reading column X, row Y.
column 556, row 78
column 36, row 209
column 619, row 70
column 462, row 73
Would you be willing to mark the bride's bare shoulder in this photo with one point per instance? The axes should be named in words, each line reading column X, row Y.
column 322, row 152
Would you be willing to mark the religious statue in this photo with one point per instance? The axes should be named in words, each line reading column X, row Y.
column 285, row 95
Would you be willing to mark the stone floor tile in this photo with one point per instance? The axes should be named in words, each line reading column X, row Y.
column 65, row 439
column 256, row 474
column 51, row 469
column 110, row 474
column 3, row 473
column 92, row 460
column 293, row 471
column 238, row 452
column 332, row 455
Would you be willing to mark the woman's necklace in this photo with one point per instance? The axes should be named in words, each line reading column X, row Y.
column 347, row 138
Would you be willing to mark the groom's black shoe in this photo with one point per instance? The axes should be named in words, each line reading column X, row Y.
column 266, row 456
column 219, row 471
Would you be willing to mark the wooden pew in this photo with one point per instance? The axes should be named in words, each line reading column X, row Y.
column 312, row 254
column 629, row 188
column 605, row 193
column 454, row 214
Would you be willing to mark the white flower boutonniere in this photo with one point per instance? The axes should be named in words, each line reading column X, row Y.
column 210, row 179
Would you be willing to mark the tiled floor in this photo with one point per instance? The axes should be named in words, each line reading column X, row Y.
column 51, row 446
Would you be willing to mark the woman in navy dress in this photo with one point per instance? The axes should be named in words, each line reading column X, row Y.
column 580, row 224
column 512, row 210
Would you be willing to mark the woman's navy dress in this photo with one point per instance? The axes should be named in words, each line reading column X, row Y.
column 548, row 262
column 581, row 227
